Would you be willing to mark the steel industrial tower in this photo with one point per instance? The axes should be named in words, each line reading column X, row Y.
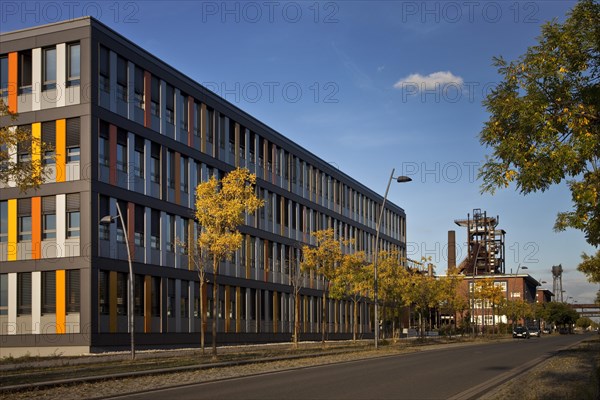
column 557, row 282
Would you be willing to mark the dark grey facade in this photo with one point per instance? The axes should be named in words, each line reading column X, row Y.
column 130, row 129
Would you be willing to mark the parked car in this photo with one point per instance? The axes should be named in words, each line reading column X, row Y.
column 535, row 332
column 547, row 331
column 521, row 332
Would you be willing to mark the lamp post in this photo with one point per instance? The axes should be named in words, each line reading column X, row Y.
column 399, row 179
column 107, row 220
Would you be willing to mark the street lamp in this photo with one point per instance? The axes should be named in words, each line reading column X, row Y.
column 107, row 220
column 399, row 179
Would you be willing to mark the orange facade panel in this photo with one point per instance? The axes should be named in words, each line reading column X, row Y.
column 61, row 301
column 13, row 68
column 61, row 150
column 36, row 228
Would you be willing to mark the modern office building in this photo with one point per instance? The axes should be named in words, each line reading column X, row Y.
column 128, row 129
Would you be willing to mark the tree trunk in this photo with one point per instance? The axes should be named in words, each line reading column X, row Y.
column 296, row 319
column 202, row 314
column 355, row 327
column 323, row 318
column 215, row 302
column 382, row 320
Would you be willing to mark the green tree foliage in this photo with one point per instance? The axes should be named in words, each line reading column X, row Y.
column 322, row 259
column 544, row 125
column 559, row 313
column 516, row 310
column 25, row 172
column 590, row 265
column 584, row 322
column 220, row 209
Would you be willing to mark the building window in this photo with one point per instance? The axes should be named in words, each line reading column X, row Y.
column 104, row 210
column 138, row 161
column 48, row 217
column 3, row 221
column 155, row 297
column 49, row 69
column 170, row 104
column 49, row 138
column 24, row 293
column 103, row 293
column 24, row 219
column 139, row 87
column 197, row 119
column 184, row 302
column 155, row 163
column 73, row 65
column 122, row 150
column 231, row 136
column 210, row 124
column 3, row 76
column 139, row 226
column 184, row 230
column 104, row 69
column 155, row 230
column 155, row 96
column 184, row 114
column 170, row 233
column 103, row 149
column 170, row 169
column 73, row 217
column 48, row 292
column 170, row 297
column 124, row 210
column 184, row 174
column 3, row 294
column 252, row 146
column 73, row 291
column 138, row 299
column 24, row 148
column 73, row 139
column 122, row 78
column 25, row 71
column 121, row 293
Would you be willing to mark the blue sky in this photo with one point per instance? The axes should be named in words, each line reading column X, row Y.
column 367, row 86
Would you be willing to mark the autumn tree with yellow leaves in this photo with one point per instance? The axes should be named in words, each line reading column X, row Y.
column 351, row 280
column 490, row 296
column 544, row 124
column 393, row 279
column 322, row 259
column 220, row 209
column 22, row 153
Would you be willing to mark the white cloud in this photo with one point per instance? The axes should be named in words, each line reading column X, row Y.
column 433, row 81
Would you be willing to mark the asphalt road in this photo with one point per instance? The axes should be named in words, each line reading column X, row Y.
column 458, row 372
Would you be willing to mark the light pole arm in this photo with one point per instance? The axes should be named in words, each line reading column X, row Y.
column 376, row 253
column 131, row 284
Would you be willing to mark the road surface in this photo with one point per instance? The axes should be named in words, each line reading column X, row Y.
column 458, row 372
